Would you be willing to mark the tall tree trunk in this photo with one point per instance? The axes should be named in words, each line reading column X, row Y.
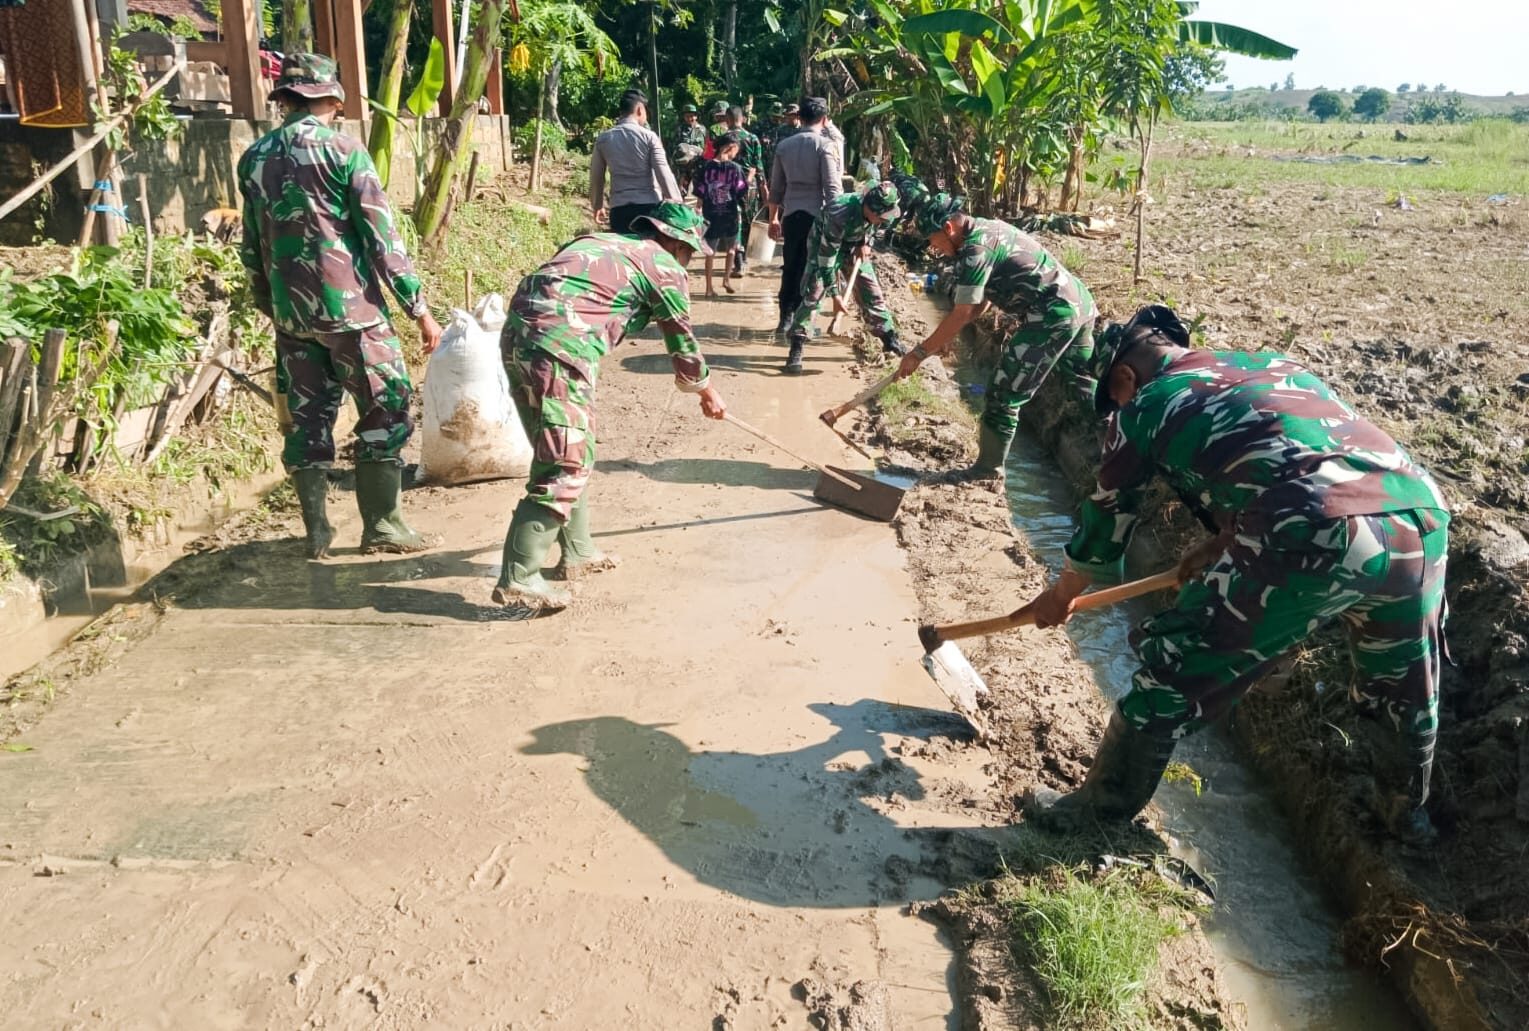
column 456, row 140
column 1072, row 182
column 390, row 88
column 654, row 106
column 730, row 46
column 554, row 82
column 297, row 26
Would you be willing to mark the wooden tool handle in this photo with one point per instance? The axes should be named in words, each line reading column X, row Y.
column 762, row 435
column 849, row 288
column 1025, row 615
column 865, row 395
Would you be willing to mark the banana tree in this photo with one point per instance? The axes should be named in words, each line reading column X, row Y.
column 420, row 102
column 390, row 88
column 557, row 32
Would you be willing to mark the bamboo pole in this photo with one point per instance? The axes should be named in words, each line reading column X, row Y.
column 148, row 231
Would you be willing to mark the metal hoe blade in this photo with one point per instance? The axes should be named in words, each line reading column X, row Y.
column 954, row 675
column 874, row 499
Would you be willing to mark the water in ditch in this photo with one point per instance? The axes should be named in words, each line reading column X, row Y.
column 1272, row 928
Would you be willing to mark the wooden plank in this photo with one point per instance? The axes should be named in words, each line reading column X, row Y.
column 495, row 90
column 324, row 27
column 442, row 22
column 350, row 54
column 241, row 32
column 202, row 50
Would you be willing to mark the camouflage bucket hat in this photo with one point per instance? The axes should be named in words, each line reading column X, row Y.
column 936, row 211
column 719, row 108
column 309, row 75
column 882, row 198
column 678, row 222
column 1116, row 339
column 792, row 109
column 688, row 109
column 777, row 108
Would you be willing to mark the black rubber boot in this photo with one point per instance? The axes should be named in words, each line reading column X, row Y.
column 893, row 346
column 533, row 528
column 580, row 556
column 379, row 486
column 794, row 358
column 312, row 486
column 1125, row 772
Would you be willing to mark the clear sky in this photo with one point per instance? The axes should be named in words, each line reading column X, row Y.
column 1474, row 46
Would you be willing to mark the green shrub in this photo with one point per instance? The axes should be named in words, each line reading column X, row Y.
column 554, row 139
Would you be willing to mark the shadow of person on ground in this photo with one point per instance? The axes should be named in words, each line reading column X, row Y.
column 276, row 575
column 765, row 364
column 726, row 472
column 794, row 828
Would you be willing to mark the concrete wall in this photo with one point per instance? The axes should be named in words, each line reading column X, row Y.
column 187, row 176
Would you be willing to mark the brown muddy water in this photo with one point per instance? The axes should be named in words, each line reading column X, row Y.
column 1272, row 927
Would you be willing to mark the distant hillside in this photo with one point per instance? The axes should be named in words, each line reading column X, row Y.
column 1297, row 98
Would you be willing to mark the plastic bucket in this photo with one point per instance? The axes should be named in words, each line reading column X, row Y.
column 761, row 247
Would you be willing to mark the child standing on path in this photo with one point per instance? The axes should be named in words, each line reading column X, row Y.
column 723, row 187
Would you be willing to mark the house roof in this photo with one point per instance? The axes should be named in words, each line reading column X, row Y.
column 168, row 9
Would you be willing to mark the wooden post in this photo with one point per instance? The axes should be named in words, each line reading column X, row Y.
column 241, row 30
column 441, row 20
column 324, row 28
column 148, row 230
column 495, row 90
column 350, row 53
column 472, row 177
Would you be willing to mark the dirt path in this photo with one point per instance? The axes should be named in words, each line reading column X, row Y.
column 349, row 794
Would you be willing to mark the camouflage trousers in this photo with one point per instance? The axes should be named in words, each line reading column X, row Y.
column 1058, row 334
column 868, row 294
column 1381, row 575
column 313, row 374
column 556, row 404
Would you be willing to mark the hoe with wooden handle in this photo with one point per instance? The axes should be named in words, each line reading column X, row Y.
column 833, row 415
column 953, row 673
column 842, row 305
column 840, row 487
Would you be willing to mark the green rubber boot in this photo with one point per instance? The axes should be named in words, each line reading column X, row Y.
column 378, row 486
column 580, row 555
column 1125, row 772
column 312, row 486
column 533, row 528
column 992, row 453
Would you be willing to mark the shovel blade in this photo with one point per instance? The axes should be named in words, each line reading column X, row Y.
column 962, row 684
column 874, row 499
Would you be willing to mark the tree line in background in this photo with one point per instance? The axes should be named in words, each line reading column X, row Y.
column 1006, row 101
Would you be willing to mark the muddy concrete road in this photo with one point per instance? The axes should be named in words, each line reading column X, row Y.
column 352, row 794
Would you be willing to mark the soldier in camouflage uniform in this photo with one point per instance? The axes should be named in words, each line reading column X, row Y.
column 319, row 244
column 1320, row 516
column 751, row 157
column 563, row 319
column 688, row 146
column 998, row 265
column 840, row 239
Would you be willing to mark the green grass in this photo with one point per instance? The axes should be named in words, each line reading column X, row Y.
column 1482, row 157
column 911, row 398
column 1092, row 940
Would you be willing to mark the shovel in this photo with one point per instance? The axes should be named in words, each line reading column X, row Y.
column 953, row 673
column 838, row 487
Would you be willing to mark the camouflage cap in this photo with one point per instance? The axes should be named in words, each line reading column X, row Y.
column 882, row 198
column 792, row 109
column 309, row 75
column 678, row 222
column 938, row 210
column 688, row 109
column 777, row 109
column 1116, row 339
column 719, row 108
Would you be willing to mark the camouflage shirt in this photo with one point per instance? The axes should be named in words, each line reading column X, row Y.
column 689, row 136
column 750, row 154
column 319, row 240
column 998, row 263
column 1257, row 440
column 597, row 289
column 840, row 226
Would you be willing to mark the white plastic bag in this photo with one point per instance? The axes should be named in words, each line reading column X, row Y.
column 471, row 430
